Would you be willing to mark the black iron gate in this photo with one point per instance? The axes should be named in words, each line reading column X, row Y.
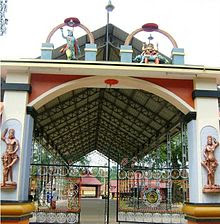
column 56, row 195
column 57, row 188
column 57, row 191
column 153, row 190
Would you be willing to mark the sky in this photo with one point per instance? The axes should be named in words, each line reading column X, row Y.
column 194, row 24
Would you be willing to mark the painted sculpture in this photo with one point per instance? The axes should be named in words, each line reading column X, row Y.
column 210, row 164
column 71, row 48
column 9, row 158
column 150, row 54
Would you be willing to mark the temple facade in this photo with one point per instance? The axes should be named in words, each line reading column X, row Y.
column 121, row 97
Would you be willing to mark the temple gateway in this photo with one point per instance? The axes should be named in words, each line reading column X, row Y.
column 151, row 115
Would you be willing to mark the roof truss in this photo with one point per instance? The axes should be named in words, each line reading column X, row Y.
column 116, row 122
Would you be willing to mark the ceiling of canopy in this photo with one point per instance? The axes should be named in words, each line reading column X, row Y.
column 118, row 123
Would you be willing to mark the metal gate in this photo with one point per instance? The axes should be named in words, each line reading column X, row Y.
column 153, row 190
column 56, row 196
column 57, row 192
column 56, row 188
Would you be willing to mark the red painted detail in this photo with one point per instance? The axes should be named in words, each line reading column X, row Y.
column 90, row 180
column 41, row 83
column 113, row 184
column 72, row 21
column 149, row 27
column 111, row 82
column 181, row 88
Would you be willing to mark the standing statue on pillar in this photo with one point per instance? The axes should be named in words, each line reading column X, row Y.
column 210, row 164
column 72, row 47
column 9, row 158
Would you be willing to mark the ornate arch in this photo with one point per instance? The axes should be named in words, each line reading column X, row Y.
column 150, row 27
column 123, row 83
column 75, row 23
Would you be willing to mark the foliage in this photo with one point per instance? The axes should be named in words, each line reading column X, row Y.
column 84, row 161
column 113, row 173
column 155, row 159
column 40, row 155
column 177, row 191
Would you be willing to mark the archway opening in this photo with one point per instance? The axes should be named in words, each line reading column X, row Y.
column 136, row 129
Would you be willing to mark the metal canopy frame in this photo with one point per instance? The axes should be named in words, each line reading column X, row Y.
column 116, row 122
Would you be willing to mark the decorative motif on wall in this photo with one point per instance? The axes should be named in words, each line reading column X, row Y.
column 152, row 197
column 56, row 217
column 151, row 217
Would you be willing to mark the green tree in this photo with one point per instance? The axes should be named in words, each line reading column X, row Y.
column 113, row 173
column 155, row 159
column 84, row 161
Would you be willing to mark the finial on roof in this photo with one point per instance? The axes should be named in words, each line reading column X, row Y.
column 150, row 38
column 109, row 7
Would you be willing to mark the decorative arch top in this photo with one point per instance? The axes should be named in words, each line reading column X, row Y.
column 150, row 27
column 122, row 82
column 71, row 22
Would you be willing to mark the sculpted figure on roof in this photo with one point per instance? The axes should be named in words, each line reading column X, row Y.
column 150, row 54
column 71, row 48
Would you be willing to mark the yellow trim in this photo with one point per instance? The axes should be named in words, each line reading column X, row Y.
column 26, row 221
column 203, row 218
column 202, row 211
column 15, row 210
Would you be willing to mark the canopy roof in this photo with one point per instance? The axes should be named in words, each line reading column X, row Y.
column 118, row 123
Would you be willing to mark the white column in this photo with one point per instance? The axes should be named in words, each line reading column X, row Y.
column 206, row 123
column 15, row 116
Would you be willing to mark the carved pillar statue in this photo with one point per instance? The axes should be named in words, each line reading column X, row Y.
column 16, row 140
column 210, row 164
column 9, row 158
column 203, row 138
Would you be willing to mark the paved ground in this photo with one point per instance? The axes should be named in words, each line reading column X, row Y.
column 93, row 210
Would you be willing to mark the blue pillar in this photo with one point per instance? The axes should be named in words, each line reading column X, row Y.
column 90, row 52
column 178, row 56
column 25, row 163
column 46, row 51
column 126, row 53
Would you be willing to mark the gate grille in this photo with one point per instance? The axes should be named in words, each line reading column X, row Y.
column 153, row 190
column 57, row 197
column 143, row 195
